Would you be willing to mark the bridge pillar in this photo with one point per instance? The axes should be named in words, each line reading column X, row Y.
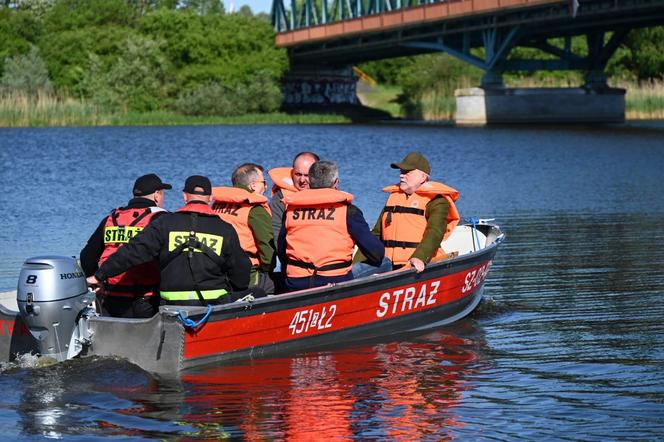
column 492, row 79
column 596, row 80
column 314, row 86
column 487, row 105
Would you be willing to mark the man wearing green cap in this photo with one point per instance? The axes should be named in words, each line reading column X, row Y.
column 417, row 216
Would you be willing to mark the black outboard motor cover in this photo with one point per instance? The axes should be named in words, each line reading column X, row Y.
column 51, row 293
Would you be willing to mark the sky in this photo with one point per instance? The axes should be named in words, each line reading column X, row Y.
column 255, row 5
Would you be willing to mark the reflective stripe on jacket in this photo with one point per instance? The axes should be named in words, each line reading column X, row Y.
column 190, row 243
column 317, row 237
column 233, row 205
column 192, row 295
column 403, row 221
column 283, row 179
column 120, row 227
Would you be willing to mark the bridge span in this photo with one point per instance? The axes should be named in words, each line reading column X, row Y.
column 326, row 38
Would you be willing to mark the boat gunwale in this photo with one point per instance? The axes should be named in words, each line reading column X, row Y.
column 397, row 324
column 353, row 287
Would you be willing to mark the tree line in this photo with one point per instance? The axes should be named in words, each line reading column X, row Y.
column 142, row 55
column 191, row 57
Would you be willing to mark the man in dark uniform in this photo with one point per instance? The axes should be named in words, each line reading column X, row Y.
column 199, row 255
column 132, row 293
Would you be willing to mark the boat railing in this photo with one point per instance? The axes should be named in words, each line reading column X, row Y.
column 493, row 237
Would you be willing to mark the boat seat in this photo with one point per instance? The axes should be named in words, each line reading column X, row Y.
column 461, row 240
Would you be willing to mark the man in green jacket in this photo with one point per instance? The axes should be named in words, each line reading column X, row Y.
column 417, row 215
column 245, row 207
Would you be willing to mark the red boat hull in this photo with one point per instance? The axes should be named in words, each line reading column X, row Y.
column 340, row 313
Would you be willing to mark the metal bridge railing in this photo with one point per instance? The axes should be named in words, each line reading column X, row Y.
column 305, row 13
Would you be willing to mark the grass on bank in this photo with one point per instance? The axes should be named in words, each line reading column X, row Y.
column 380, row 97
column 20, row 110
column 643, row 101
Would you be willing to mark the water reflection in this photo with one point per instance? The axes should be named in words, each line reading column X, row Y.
column 398, row 391
column 570, row 344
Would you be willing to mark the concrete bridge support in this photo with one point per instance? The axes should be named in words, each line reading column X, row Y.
column 487, row 105
column 314, row 86
column 594, row 102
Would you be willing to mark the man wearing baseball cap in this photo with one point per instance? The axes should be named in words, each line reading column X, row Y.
column 417, row 216
column 132, row 294
column 199, row 255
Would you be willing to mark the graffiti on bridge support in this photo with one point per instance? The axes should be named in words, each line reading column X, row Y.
column 321, row 92
column 321, row 86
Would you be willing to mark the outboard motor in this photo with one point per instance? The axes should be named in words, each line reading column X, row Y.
column 54, row 301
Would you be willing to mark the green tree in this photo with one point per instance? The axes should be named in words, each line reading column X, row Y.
column 38, row 8
column 26, row 74
column 135, row 81
column 73, row 29
column 387, row 71
column 19, row 30
column 246, row 11
column 203, row 7
column 224, row 49
column 433, row 73
column 67, row 53
column 647, row 53
column 68, row 15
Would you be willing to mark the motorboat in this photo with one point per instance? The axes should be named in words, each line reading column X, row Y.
column 52, row 313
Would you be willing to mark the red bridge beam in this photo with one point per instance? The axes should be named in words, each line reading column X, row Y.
column 401, row 18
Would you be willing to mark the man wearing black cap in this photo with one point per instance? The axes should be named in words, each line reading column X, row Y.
column 134, row 292
column 417, row 215
column 199, row 255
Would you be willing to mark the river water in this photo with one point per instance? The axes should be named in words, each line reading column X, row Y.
column 568, row 344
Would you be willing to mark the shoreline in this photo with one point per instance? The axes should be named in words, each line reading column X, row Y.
column 304, row 119
column 363, row 114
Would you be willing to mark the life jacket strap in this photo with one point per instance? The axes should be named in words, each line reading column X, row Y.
column 138, row 219
column 115, row 215
column 402, row 209
column 310, row 266
column 402, row 244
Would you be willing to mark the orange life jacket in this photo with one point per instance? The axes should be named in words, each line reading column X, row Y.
column 403, row 221
column 233, row 205
column 122, row 225
column 317, row 237
column 283, row 180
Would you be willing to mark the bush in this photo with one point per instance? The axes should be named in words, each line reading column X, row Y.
column 18, row 32
column 437, row 74
column 26, row 74
column 134, row 82
column 210, row 99
column 261, row 94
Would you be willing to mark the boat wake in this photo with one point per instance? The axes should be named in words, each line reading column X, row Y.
column 26, row 360
column 490, row 308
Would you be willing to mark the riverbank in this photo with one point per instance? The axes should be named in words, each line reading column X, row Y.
column 51, row 111
column 643, row 101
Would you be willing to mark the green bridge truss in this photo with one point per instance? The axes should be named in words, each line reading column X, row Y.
column 483, row 39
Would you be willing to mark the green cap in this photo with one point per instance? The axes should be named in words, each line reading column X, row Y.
column 413, row 160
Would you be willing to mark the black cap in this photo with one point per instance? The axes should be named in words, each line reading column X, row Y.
column 195, row 181
column 148, row 184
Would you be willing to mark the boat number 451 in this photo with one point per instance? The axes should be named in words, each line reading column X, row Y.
column 475, row 278
column 312, row 319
